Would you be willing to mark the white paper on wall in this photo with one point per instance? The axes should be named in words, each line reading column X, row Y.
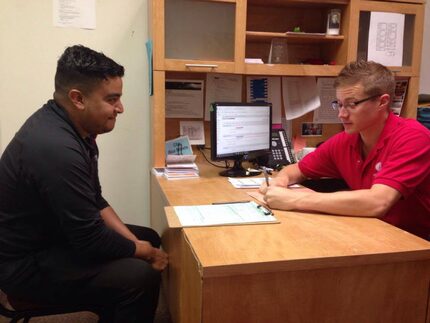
column 222, row 88
column 184, row 98
column 300, row 96
column 385, row 44
column 74, row 13
column 327, row 93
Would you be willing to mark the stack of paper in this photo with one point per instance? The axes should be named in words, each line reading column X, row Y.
column 181, row 166
column 246, row 182
column 180, row 159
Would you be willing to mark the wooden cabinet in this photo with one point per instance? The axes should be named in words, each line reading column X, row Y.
column 198, row 36
column 194, row 37
column 278, row 20
column 412, row 44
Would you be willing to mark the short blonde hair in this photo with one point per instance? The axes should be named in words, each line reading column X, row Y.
column 374, row 77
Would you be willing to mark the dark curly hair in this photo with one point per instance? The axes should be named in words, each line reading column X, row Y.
column 83, row 68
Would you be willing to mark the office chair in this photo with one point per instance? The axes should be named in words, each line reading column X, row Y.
column 19, row 309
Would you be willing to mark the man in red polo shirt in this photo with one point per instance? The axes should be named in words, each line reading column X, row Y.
column 384, row 159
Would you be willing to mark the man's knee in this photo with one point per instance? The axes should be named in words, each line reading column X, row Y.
column 141, row 274
column 131, row 273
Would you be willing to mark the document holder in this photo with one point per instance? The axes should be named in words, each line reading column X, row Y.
column 218, row 215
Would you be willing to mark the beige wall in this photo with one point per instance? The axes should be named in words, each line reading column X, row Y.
column 29, row 49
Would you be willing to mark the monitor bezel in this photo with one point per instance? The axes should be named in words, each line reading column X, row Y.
column 242, row 155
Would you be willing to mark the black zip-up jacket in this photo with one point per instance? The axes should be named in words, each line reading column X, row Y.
column 50, row 197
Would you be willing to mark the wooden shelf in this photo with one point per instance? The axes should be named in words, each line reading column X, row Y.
column 252, row 26
column 286, row 3
column 403, row 71
column 292, row 69
column 299, row 38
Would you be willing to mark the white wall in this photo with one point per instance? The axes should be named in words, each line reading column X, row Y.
column 29, row 49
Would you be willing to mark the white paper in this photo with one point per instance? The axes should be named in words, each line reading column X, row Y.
column 246, row 182
column 194, row 130
column 222, row 88
column 236, row 213
column 74, row 13
column 186, row 160
column 385, row 43
column 300, row 96
column 184, row 98
column 254, row 61
column 158, row 171
column 327, row 93
column 266, row 89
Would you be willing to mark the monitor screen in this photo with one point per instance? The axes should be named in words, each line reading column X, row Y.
column 240, row 131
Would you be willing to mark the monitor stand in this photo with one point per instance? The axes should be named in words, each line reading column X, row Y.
column 238, row 171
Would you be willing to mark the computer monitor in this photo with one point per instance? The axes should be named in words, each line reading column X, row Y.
column 240, row 131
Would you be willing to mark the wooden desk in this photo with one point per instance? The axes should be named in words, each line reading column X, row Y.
column 309, row 268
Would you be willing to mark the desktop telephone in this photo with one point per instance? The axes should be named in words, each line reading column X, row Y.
column 280, row 152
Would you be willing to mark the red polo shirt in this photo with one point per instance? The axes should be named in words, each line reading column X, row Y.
column 400, row 159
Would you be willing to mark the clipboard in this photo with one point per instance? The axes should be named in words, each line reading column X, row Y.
column 219, row 215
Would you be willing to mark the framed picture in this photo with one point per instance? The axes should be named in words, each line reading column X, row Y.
column 310, row 129
column 333, row 22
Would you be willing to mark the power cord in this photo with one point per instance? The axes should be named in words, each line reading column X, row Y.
column 201, row 148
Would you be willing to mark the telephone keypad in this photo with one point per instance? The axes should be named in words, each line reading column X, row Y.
column 277, row 154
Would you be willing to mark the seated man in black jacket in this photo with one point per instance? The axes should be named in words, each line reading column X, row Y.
column 60, row 241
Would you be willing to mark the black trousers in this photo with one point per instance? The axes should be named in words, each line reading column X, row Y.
column 124, row 290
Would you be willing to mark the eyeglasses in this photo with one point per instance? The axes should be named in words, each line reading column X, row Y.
column 351, row 105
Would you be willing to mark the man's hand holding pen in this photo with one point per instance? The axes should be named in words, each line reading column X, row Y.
column 277, row 195
column 281, row 181
column 266, row 175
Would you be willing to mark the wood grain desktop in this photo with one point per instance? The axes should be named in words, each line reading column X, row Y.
column 309, row 268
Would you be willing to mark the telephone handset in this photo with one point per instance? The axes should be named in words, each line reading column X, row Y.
column 281, row 152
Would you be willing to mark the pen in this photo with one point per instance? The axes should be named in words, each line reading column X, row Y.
column 233, row 202
column 266, row 176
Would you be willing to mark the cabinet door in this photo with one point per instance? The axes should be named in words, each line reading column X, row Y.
column 199, row 36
